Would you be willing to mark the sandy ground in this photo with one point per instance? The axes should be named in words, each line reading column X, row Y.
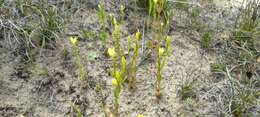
column 47, row 86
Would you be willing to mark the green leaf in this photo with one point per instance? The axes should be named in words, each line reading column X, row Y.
column 76, row 110
column 117, row 92
column 92, row 55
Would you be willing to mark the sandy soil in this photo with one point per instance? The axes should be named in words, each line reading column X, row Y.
column 47, row 86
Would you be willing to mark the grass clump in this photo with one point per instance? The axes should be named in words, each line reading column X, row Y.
column 246, row 30
column 239, row 105
column 187, row 91
column 206, row 38
column 48, row 24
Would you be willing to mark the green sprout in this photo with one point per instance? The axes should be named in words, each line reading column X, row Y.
column 148, row 21
column 128, row 44
column 154, row 9
column 82, row 74
column 207, row 38
column 76, row 110
column 132, row 67
column 111, row 19
column 122, row 11
column 162, row 57
column 102, row 15
column 116, row 37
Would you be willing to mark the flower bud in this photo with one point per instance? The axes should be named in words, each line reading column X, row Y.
column 137, row 35
column 114, row 82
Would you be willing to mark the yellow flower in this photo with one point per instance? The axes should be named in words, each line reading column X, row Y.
column 111, row 52
column 161, row 51
column 73, row 40
column 114, row 82
column 140, row 115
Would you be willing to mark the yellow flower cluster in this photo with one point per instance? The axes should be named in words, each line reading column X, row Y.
column 73, row 40
column 111, row 52
column 161, row 51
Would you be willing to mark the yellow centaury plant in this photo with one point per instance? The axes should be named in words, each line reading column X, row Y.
column 116, row 38
column 162, row 57
column 132, row 67
column 119, row 78
column 73, row 42
column 102, row 15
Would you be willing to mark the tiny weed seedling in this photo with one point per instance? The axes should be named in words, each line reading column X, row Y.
column 132, row 67
column 111, row 19
column 80, row 67
column 102, row 15
column 76, row 110
column 217, row 67
column 206, row 39
column 65, row 52
column 186, row 90
column 162, row 57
